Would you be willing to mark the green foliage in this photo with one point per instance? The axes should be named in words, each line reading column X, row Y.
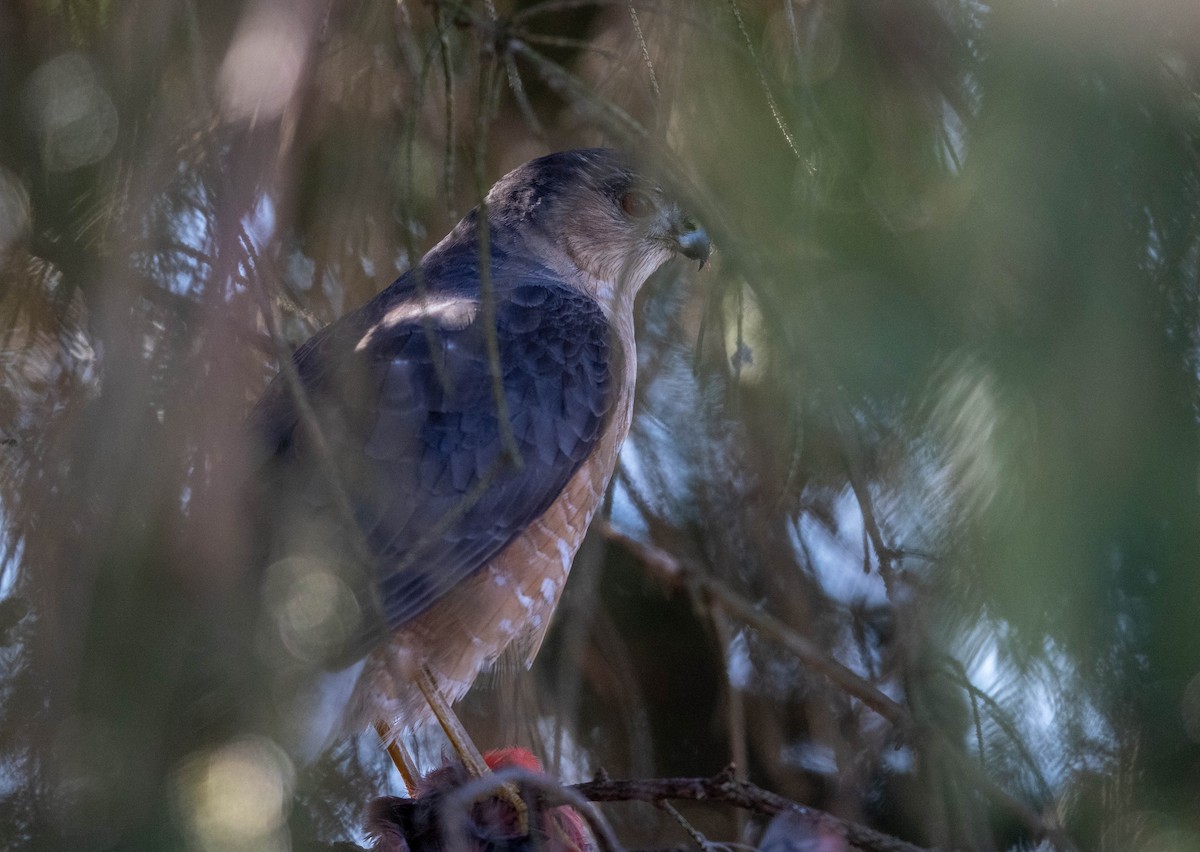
column 934, row 407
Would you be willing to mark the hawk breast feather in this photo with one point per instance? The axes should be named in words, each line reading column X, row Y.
column 406, row 394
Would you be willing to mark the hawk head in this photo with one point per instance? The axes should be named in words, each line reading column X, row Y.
column 596, row 219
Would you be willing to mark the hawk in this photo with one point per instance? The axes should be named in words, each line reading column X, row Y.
column 473, row 412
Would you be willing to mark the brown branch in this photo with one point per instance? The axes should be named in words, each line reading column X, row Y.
column 522, row 98
column 616, row 120
column 804, row 649
column 808, row 653
column 697, row 836
column 678, row 572
column 739, row 753
column 723, row 787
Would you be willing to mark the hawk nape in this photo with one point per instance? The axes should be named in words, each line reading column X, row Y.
column 473, row 412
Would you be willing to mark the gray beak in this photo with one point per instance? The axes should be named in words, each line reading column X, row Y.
column 693, row 242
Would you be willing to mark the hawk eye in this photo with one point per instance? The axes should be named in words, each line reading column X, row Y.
column 637, row 204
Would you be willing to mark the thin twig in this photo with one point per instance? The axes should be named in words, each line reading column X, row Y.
column 856, row 474
column 448, row 75
column 489, row 85
column 677, row 571
column 693, row 832
column 560, row 6
column 641, row 36
column 617, row 120
column 408, row 137
column 522, row 98
column 808, row 653
column 307, row 416
column 762, row 79
column 804, row 649
column 723, row 787
column 580, row 44
column 1001, row 718
column 738, row 752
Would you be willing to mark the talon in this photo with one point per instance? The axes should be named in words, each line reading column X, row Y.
column 508, row 794
column 501, row 817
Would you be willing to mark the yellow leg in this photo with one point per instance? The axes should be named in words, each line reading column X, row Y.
column 404, row 764
column 460, row 740
column 465, row 747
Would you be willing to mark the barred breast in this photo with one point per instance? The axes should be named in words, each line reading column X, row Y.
column 510, row 600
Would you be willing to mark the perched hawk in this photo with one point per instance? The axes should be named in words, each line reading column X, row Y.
column 473, row 411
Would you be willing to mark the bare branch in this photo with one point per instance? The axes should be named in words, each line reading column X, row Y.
column 804, row 649
column 693, row 832
column 780, row 121
column 723, row 787
column 679, row 572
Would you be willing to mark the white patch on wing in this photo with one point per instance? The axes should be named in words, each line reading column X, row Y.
column 526, row 601
column 447, row 313
column 548, row 589
column 564, row 554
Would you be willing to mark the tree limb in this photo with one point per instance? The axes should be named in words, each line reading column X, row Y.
column 724, row 787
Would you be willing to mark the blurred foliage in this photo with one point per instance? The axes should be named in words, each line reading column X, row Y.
column 934, row 407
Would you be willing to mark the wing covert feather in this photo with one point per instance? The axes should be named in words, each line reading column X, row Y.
column 412, row 420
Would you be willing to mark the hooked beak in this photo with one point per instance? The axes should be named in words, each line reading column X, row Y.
column 692, row 241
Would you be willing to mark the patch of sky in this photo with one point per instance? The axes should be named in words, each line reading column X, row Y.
column 625, row 515
column 1154, row 243
column 11, row 553
column 975, row 14
column 740, row 666
column 1047, row 710
column 899, row 760
column 260, row 223
column 575, row 764
column 186, row 263
column 668, row 471
column 816, row 758
column 302, row 270
column 837, row 554
column 954, row 144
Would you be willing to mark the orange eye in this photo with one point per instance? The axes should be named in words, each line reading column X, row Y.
column 637, row 205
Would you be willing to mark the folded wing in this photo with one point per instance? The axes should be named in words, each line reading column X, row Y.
column 452, row 430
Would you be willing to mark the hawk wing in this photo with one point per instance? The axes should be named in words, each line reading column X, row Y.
column 408, row 400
